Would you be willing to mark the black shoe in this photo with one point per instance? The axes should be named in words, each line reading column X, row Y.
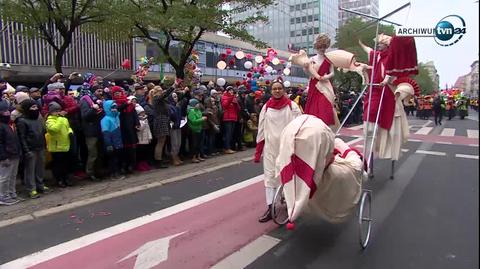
column 61, row 184
column 267, row 215
column 69, row 182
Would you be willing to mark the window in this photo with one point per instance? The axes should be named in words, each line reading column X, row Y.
column 310, row 31
column 310, row 18
column 210, row 59
column 292, row 8
column 298, row 33
column 298, row 19
column 315, row 17
column 304, row 32
column 292, row 33
column 316, row 30
column 304, row 6
column 304, row 19
column 292, row 21
column 297, row 7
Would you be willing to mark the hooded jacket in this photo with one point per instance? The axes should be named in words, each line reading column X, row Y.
column 110, row 124
column 58, row 134
column 31, row 130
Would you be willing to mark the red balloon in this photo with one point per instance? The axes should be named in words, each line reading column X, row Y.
column 229, row 51
column 282, row 61
column 238, row 83
column 223, row 56
column 267, row 82
column 249, row 75
column 249, row 56
column 231, row 62
column 126, row 64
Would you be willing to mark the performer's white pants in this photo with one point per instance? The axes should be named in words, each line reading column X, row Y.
column 270, row 194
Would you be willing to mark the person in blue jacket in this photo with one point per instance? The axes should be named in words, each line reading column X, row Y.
column 112, row 137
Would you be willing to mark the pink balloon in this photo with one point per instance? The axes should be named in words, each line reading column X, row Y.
column 229, row 51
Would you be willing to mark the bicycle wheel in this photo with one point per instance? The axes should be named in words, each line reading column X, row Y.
column 279, row 208
column 365, row 219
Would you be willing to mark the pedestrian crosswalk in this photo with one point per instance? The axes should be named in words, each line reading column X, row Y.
column 427, row 130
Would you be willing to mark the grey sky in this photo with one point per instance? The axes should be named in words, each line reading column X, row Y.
column 452, row 61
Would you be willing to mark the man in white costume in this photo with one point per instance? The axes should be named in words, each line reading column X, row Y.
column 274, row 116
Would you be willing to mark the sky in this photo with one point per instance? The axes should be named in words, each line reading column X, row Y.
column 452, row 61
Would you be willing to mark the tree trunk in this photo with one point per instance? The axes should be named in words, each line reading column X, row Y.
column 180, row 72
column 58, row 60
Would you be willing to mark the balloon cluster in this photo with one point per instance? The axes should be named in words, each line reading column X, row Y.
column 142, row 69
column 258, row 67
column 192, row 71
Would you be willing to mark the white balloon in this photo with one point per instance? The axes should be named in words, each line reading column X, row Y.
column 289, row 64
column 275, row 61
column 221, row 65
column 221, row 82
column 261, row 78
column 286, row 71
column 286, row 84
column 269, row 69
column 258, row 59
column 248, row 65
column 240, row 55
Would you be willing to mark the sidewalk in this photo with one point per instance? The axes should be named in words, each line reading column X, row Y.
column 87, row 192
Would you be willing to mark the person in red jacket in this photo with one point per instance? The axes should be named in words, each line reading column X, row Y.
column 230, row 113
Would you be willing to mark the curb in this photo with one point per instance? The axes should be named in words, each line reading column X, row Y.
column 53, row 210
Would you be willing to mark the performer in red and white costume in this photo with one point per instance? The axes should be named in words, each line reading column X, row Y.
column 321, row 96
column 321, row 174
column 396, row 60
column 274, row 116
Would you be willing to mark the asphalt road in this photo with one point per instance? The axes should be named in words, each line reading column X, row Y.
column 427, row 217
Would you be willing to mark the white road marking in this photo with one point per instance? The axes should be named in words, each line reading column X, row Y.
column 427, row 123
column 151, row 253
column 448, row 132
column 475, row 157
column 404, row 150
column 414, row 140
column 354, row 141
column 248, row 254
column 424, row 130
column 472, row 133
column 473, row 145
column 442, row 142
column 358, row 127
column 428, row 152
column 66, row 247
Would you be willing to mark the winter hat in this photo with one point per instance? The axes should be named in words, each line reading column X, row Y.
column 54, row 107
column 197, row 92
column 139, row 109
column 34, row 89
column 21, row 96
column 21, row 88
column 193, row 102
column 212, row 92
column 131, row 97
column 56, row 85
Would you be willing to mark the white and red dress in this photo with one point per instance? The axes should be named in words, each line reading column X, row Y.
column 321, row 97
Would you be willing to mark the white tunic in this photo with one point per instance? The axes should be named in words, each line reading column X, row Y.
column 270, row 126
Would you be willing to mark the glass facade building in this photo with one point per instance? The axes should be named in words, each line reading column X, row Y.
column 294, row 24
column 369, row 7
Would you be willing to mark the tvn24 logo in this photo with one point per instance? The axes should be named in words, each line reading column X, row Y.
column 447, row 32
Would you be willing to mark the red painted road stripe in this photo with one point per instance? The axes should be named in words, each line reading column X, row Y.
column 213, row 231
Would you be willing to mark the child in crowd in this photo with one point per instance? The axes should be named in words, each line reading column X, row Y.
column 144, row 138
column 195, row 123
column 250, row 136
column 58, row 143
column 112, row 137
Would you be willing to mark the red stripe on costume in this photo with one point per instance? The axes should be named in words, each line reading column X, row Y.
column 300, row 168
